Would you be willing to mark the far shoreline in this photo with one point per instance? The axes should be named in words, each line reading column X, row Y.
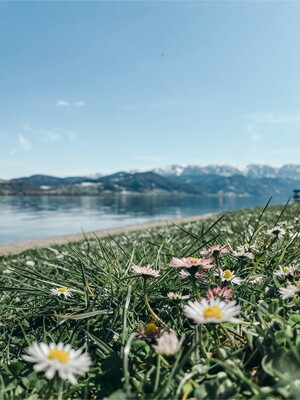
column 19, row 247
column 128, row 194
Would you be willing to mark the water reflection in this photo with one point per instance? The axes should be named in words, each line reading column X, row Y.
column 32, row 217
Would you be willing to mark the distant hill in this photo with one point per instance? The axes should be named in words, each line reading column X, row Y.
column 210, row 180
column 121, row 182
column 52, row 181
column 141, row 182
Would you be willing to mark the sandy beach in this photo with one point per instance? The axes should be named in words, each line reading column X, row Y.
column 19, row 247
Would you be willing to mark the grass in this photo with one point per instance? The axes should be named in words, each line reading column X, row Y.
column 111, row 306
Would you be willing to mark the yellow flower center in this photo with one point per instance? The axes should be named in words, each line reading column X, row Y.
column 298, row 284
column 62, row 289
column 253, row 278
column 247, row 246
column 60, row 355
column 227, row 274
column 286, row 270
column 213, row 312
column 193, row 259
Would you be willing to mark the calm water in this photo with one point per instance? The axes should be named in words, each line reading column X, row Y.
column 33, row 217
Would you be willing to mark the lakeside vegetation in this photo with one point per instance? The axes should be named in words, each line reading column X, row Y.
column 205, row 310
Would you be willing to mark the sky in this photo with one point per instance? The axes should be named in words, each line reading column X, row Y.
column 103, row 86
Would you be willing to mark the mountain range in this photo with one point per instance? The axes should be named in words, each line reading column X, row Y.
column 210, row 180
column 287, row 171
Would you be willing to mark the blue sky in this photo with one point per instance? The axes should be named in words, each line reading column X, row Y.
column 101, row 87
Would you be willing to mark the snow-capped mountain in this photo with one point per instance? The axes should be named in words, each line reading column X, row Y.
column 288, row 171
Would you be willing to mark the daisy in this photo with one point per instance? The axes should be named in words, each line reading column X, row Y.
column 189, row 262
column 276, row 231
column 229, row 276
column 183, row 274
column 58, row 358
column 215, row 251
column 168, row 344
column 177, row 296
column 62, row 291
column 286, row 271
column 212, row 311
column 289, row 291
column 244, row 251
column 255, row 279
column 30, row 263
column 145, row 271
column 225, row 292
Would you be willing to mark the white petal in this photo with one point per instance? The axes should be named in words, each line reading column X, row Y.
column 50, row 373
column 40, row 366
column 71, row 378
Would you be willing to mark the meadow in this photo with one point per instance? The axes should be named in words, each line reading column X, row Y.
column 202, row 310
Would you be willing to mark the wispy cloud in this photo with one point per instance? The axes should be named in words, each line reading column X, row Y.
column 274, row 119
column 41, row 135
column 52, row 136
column 255, row 137
column 23, row 145
column 64, row 103
column 66, row 134
column 23, row 142
column 79, row 103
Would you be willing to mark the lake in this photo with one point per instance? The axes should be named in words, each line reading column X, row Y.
column 35, row 217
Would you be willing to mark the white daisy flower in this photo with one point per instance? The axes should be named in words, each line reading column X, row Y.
column 215, row 251
column 244, row 251
column 145, row 271
column 190, row 262
column 30, row 263
column 177, row 296
column 289, row 291
column 7, row 271
column 168, row 344
column 255, row 279
column 229, row 276
column 286, row 271
column 225, row 293
column 212, row 311
column 183, row 274
column 276, row 231
column 62, row 291
column 58, row 358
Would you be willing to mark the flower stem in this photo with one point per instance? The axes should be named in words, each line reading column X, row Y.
column 195, row 356
column 49, row 389
column 203, row 351
column 219, row 269
column 216, row 337
column 154, row 315
column 60, row 390
column 194, row 287
column 157, row 377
